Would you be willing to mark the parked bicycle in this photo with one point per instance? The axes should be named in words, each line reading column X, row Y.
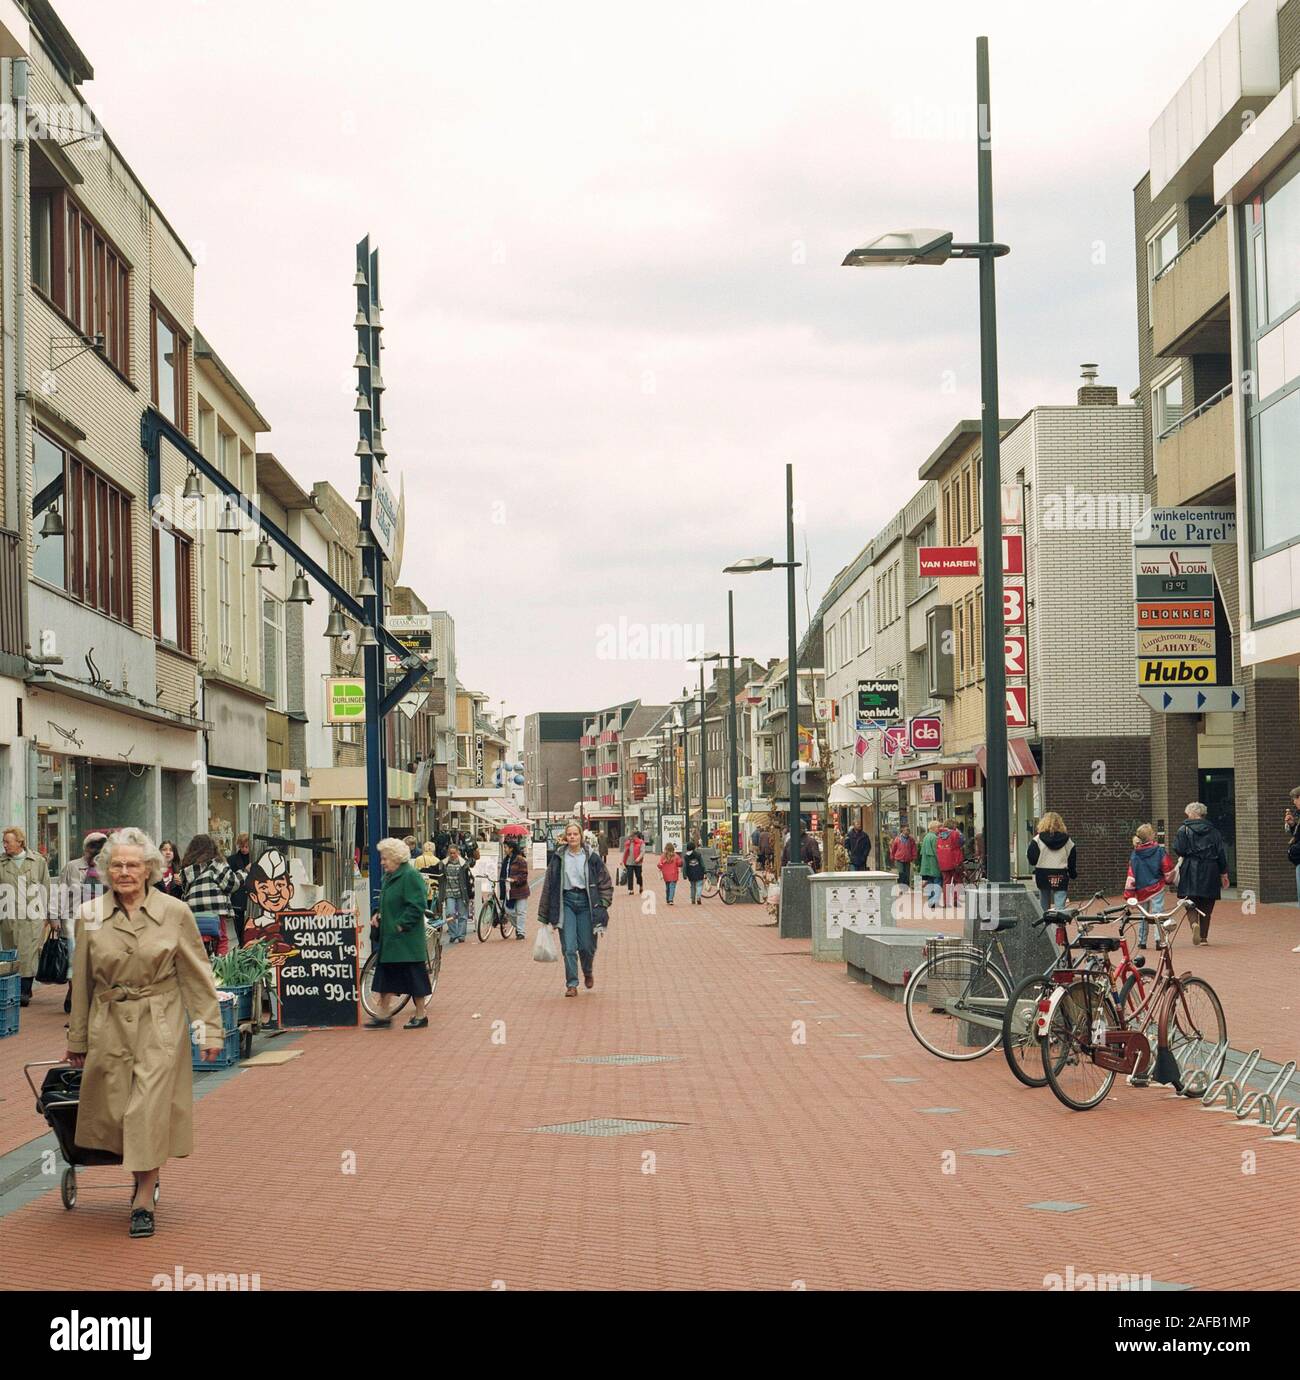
column 1088, row 1034
column 493, row 915
column 434, row 928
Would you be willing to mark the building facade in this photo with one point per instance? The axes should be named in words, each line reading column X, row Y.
column 1214, row 252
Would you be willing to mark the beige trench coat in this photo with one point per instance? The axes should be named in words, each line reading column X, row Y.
column 24, row 905
column 133, row 981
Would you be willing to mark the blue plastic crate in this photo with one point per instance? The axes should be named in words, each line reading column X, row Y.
column 9, row 1018
column 10, row 989
column 245, row 1004
column 228, row 1056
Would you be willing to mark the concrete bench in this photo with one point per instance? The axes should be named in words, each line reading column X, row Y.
column 882, row 957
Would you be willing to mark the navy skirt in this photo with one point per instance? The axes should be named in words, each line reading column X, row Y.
column 402, row 980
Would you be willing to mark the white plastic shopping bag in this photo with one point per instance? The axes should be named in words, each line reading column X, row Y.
column 546, row 948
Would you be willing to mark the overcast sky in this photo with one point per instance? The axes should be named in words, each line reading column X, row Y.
column 610, row 241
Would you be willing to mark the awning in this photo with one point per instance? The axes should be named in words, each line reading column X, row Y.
column 1020, row 758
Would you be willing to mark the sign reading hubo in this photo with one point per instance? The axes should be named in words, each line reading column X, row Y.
column 1182, row 634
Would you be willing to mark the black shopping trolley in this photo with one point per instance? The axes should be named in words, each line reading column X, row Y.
column 57, row 1100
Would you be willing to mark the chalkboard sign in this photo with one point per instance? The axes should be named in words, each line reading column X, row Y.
column 319, row 984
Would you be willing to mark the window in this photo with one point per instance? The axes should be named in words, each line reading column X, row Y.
column 91, row 560
column 1276, row 495
column 1162, row 247
column 1281, row 235
column 169, row 368
column 864, row 622
column 273, row 670
column 78, row 269
column 1167, row 403
column 171, row 586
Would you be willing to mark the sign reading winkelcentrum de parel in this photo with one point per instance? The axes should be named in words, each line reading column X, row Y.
column 1182, row 634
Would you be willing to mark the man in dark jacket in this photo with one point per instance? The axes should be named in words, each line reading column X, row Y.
column 1202, row 867
column 858, row 844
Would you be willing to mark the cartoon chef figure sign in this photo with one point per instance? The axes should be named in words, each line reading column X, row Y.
column 271, row 887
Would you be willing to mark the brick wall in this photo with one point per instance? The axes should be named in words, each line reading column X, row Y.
column 1100, row 787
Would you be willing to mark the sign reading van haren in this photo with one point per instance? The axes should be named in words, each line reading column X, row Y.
column 345, row 699
column 1176, row 613
column 1176, row 642
column 1178, row 671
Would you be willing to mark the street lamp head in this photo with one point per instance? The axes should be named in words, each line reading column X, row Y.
column 750, row 565
column 902, row 247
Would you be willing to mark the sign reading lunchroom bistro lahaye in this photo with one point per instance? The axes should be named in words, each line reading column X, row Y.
column 1182, row 634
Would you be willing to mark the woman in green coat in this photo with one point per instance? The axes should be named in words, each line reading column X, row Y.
column 931, row 872
column 402, row 969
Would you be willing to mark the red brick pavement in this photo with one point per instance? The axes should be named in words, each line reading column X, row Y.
column 784, row 1162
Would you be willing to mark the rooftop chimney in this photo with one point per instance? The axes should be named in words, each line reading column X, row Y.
column 1094, row 395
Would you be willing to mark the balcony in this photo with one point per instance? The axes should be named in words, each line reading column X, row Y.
column 1196, row 455
column 1189, row 300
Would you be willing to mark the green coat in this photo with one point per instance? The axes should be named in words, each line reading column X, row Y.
column 401, row 917
column 930, row 856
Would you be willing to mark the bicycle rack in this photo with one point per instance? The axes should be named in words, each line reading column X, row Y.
column 1288, row 1117
column 1200, row 1078
column 1260, row 1102
column 1231, row 1090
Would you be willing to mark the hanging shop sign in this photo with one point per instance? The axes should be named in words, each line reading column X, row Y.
column 383, row 513
column 345, row 699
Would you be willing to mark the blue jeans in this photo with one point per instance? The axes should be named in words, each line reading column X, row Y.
column 519, row 912
column 1156, row 905
column 576, row 932
column 457, row 913
column 670, row 889
column 1050, row 899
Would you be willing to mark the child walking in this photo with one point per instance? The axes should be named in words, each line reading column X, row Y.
column 1150, row 869
column 670, row 868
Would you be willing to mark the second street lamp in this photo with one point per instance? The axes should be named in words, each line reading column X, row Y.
column 796, row 900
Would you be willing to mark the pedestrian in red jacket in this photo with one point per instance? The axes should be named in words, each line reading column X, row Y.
column 902, row 852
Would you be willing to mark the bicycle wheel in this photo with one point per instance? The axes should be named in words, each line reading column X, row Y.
column 370, row 999
column 955, row 1003
column 710, row 887
column 1078, row 1025
column 1019, row 1038
column 433, row 948
column 1197, row 1026
column 486, row 915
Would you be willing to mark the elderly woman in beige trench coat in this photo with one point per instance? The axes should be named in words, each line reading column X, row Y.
column 138, row 969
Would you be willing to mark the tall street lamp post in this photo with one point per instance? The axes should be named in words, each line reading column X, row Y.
column 906, row 247
column 796, row 900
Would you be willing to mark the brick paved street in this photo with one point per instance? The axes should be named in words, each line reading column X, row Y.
column 852, row 1161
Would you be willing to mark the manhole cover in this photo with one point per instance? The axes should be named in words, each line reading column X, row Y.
column 606, row 1126
column 624, row 1059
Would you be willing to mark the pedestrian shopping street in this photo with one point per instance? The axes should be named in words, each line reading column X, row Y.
column 667, row 1130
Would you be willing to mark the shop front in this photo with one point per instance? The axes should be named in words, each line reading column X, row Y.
column 97, row 768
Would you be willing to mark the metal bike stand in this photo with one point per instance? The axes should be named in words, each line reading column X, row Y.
column 1230, row 1090
column 1201, row 1077
column 1265, row 1103
column 1287, row 1119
